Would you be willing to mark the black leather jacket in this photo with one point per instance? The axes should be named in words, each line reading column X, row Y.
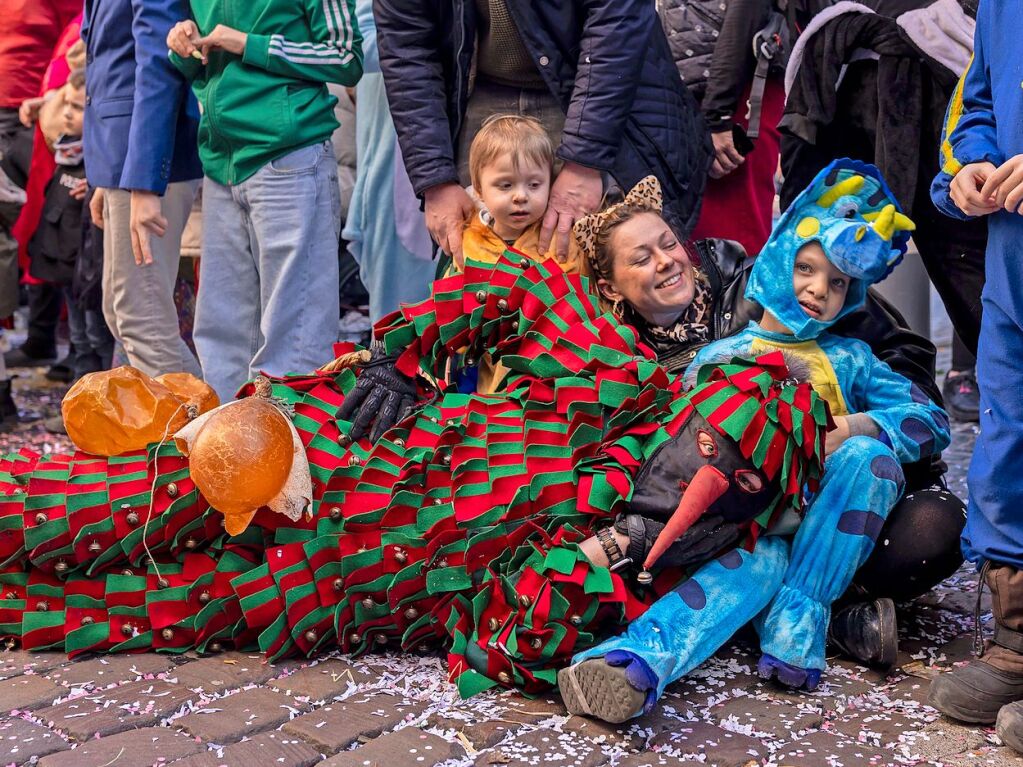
column 878, row 323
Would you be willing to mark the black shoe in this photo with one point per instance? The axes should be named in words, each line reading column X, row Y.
column 962, row 397
column 975, row 692
column 21, row 358
column 1009, row 726
column 62, row 371
column 867, row 632
column 8, row 410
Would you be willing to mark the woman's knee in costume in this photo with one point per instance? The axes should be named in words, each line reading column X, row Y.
column 918, row 547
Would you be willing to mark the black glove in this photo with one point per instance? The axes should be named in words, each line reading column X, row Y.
column 382, row 396
column 709, row 535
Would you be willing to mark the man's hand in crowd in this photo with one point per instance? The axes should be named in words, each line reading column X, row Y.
column 966, row 189
column 447, row 208
column 726, row 157
column 79, row 189
column 184, row 40
column 577, row 191
column 96, row 208
column 146, row 220
column 1005, row 184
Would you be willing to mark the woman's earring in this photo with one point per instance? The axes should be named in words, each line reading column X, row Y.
column 618, row 310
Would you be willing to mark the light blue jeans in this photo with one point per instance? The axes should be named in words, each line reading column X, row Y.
column 268, row 279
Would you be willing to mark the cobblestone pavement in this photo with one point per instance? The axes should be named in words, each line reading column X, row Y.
column 398, row 711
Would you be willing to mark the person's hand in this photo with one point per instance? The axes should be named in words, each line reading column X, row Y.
column 79, row 189
column 28, row 112
column 577, row 191
column 382, row 396
column 96, row 208
column 222, row 38
column 834, row 438
column 726, row 157
column 447, row 208
column 184, row 38
column 1005, row 184
column 966, row 186
column 146, row 220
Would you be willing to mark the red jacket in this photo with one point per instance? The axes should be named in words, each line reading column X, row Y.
column 29, row 30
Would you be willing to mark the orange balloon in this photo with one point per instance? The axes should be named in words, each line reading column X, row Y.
column 241, row 458
column 114, row 411
column 187, row 388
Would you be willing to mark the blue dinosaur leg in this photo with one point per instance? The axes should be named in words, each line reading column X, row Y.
column 861, row 483
column 687, row 625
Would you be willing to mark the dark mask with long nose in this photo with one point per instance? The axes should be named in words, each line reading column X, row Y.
column 740, row 451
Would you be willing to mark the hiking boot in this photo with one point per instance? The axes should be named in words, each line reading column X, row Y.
column 867, row 632
column 8, row 410
column 962, row 397
column 614, row 688
column 1009, row 726
column 977, row 691
column 20, row 357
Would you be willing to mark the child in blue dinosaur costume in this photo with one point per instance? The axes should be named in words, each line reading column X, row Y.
column 981, row 170
column 842, row 234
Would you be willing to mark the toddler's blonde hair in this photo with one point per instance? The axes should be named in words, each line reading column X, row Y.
column 524, row 138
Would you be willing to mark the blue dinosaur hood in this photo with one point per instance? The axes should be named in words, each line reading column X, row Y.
column 850, row 211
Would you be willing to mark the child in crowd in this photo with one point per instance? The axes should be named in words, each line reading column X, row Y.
column 268, row 298
column 839, row 236
column 815, row 269
column 56, row 246
column 511, row 164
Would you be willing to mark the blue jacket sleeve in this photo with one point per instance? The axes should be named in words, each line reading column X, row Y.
column 910, row 422
column 160, row 92
column 969, row 134
column 611, row 55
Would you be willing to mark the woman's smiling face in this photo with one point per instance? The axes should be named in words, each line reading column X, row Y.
column 651, row 270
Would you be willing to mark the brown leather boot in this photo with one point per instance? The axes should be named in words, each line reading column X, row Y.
column 976, row 692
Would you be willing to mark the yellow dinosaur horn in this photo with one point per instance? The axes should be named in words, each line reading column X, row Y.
column 903, row 223
column 889, row 221
column 851, row 185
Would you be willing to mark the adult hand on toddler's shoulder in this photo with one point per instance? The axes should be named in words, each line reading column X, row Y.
column 834, row 438
column 447, row 208
column 576, row 192
column 966, row 189
column 1005, row 185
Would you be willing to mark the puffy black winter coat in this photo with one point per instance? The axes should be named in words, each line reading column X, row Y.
column 607, row 62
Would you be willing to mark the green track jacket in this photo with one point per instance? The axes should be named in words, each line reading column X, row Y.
column 273, row 99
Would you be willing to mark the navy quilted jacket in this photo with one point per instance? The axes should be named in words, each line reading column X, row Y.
column 607, row 61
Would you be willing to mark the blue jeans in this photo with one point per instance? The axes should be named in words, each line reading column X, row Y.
column 268, row 278
column 90, row 338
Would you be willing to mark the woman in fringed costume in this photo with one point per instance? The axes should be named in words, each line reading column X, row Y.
column 458, row 528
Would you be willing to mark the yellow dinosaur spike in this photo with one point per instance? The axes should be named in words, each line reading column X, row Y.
column 851, row 185
column 904, row 223
column 884, row 224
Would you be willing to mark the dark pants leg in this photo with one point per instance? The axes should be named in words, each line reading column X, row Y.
column 44, row 302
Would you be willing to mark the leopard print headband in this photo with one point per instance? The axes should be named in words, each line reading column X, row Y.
column 646, row 193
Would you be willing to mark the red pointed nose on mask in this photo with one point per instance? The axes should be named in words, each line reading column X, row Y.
column 707, row 486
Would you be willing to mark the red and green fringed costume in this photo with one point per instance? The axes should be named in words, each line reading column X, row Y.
column 456, row 530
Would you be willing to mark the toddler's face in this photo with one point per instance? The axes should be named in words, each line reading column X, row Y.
column 74, row 110
column 515, row 197
column 819, row 286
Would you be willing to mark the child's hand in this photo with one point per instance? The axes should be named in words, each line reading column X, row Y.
column 834, row 438
column 28, row 112
column 1005, row 184
column 79, row 189
column 184, row 38
column 966, row 186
